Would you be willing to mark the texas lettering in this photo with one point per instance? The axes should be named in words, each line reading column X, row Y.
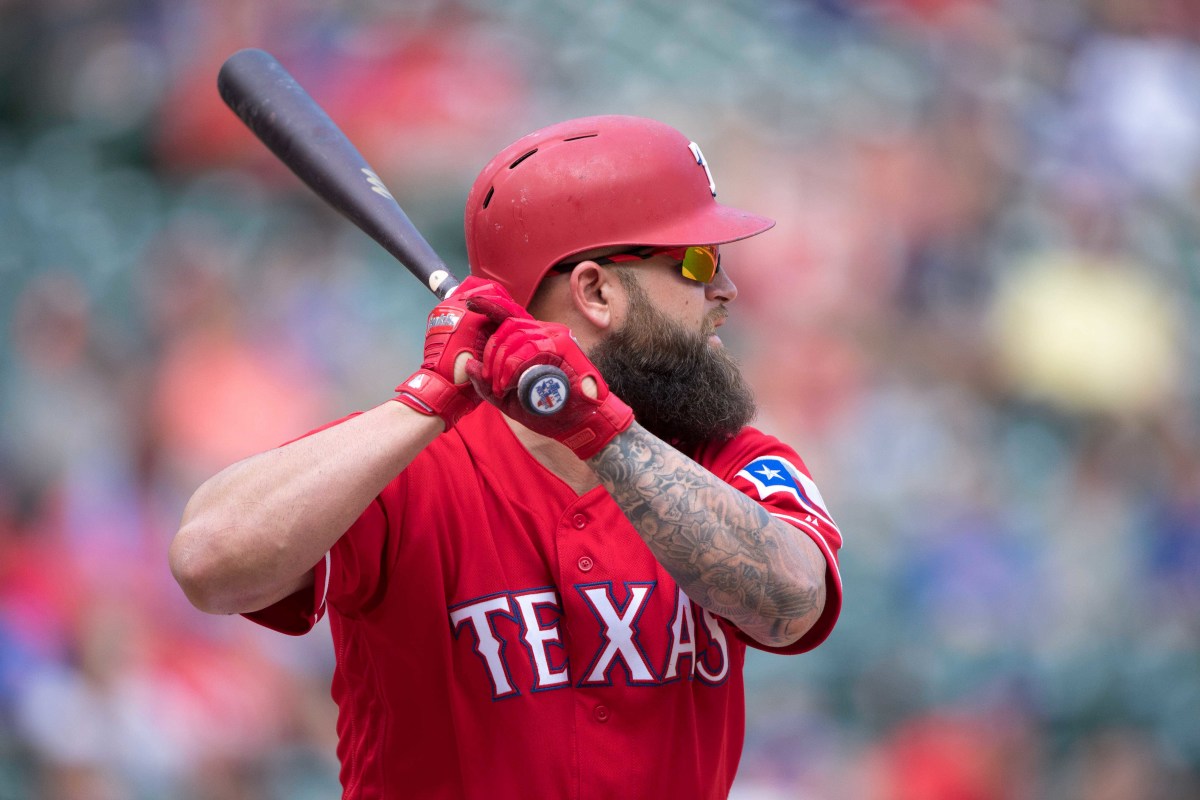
column 529, row 625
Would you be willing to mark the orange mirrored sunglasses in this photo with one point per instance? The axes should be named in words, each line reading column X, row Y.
column 699, row 263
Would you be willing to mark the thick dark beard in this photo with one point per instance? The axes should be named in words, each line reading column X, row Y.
column 681, row 388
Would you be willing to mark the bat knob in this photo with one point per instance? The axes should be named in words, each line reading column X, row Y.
column 543, row 389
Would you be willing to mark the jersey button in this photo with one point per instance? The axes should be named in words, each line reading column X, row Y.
column 585, row 564
column 601, row 713
column 579, row 521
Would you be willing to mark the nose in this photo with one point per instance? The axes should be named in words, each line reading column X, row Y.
column 722, row 288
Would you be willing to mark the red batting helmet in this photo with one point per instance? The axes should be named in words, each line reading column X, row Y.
column 588, row 183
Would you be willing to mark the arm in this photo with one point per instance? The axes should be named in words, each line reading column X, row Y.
column 725, row 551
column 251, row 534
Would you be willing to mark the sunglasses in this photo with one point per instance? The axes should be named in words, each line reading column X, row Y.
column 699, row 263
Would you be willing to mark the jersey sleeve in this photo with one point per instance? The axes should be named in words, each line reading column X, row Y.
column 349, row 576
column 772, row 474
column 297, row 613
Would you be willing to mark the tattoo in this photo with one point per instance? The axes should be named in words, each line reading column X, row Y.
column 725, row 551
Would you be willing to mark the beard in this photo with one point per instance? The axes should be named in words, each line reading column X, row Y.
column 682, row 389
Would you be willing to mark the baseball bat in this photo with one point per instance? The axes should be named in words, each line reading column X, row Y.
column 297, row 130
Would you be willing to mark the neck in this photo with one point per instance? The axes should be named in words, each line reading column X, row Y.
column 555, row 457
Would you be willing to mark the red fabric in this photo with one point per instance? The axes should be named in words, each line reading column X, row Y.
column 499, row 636
column 431, row 394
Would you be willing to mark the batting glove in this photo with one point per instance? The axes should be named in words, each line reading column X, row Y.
column 451, row 330
column 584, row 424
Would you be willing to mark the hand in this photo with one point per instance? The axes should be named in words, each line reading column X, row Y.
column 453, row 336
column 592, row 415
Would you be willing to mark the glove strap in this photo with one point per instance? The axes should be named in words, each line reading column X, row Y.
column 599, row 428
column 431, row 394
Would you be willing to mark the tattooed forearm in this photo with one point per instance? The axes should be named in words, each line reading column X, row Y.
column 725, row 551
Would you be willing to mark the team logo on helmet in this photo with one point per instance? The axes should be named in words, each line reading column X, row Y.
column 547, row 395
column 712, row 184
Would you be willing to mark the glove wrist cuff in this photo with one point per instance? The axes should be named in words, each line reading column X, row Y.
column 611, row 417
column 431, row 394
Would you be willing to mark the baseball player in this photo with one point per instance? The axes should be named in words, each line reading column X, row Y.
column 548, row 597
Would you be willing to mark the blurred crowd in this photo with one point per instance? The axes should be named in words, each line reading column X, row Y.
column 976, row 320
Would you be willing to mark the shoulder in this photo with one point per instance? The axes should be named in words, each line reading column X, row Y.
column 728, row 458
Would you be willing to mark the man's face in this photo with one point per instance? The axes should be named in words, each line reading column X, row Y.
column 682, row 387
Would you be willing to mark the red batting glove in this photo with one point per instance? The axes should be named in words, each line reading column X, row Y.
column 450, row 330
column 584, row 424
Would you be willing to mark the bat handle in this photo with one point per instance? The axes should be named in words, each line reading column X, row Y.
column 543, row 390
column 442, row 283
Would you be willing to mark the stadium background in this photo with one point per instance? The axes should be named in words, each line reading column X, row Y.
column 976, row 319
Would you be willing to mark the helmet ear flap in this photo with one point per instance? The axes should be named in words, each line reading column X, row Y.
column 590, row 183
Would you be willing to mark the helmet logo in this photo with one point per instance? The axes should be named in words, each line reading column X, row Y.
column 712, row 184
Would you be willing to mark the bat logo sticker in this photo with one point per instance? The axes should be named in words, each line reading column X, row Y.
column 547, row 395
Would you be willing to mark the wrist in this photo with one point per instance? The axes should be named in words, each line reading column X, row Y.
column 403, row 409
column 610, row 418
column 432, row 394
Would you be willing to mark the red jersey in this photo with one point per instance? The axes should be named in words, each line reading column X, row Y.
column 499, row 636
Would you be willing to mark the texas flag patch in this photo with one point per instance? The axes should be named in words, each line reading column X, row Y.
column 771, row 474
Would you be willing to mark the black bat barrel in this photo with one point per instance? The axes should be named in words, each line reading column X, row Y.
column 301, row 135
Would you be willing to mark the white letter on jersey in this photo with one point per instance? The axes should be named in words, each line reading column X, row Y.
column 619, row 631
column 537, row 639
column 718, row 647
column 682, row 627
column 487, row 645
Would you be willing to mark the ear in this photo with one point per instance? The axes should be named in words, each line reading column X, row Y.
column 597, row 295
